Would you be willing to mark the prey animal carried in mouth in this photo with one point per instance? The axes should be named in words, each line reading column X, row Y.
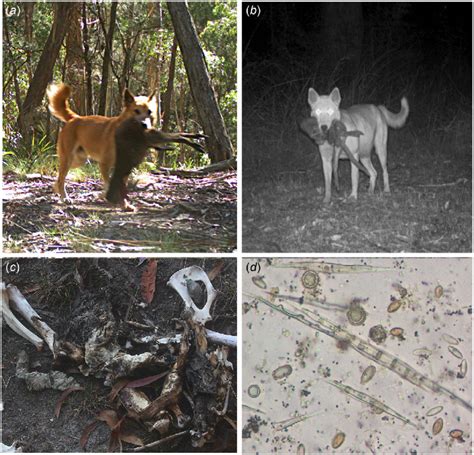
column 132, row 140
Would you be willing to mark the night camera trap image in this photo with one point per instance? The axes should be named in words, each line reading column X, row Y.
column 356, row 127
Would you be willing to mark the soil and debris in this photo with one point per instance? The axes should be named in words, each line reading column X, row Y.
column 127, row 374
column 173, row 214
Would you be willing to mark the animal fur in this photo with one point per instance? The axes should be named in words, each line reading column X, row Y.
column 92, row 135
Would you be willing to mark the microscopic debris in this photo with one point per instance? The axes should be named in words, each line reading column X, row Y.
column 368, row 374
column 397, row 332
column 253, row 391
column 282, row 372
column 377, row 334
column 338, row 440
column 356, row 315
column 462, row 369
column 437, row 426
column 422, row 352
column 457, row 434
column 455, row 352
column 449, row 339
column 433, row 411
column 400, row 289
column 439, row 291
column 394, row 306
column 259, row 281
column 310, row 279
column 300, row 450
column 284, row 424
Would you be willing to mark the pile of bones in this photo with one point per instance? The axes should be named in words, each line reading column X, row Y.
column 196, row 381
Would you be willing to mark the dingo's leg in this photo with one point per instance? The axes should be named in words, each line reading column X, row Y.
column 327, row 157
column 65, row 150
column 381, row 150
column 367, row 162
column 355, row 180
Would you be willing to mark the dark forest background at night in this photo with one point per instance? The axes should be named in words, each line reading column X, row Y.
column 375, row 53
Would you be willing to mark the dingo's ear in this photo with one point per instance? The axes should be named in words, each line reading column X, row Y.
column 312, row 96
column 128, row 98
column 335, row 96
column 152, row 95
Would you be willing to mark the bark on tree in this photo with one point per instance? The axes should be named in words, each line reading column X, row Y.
column 169, row 88
column 44, row 69
column 107, row 59
column 218, row 142
column 9, row 48
column 75, row 61
column 87, row 60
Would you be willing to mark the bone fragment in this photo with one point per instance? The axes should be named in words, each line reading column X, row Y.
column 12, row 448
column 179, row 282
column 215, row 337
column 15, row 324
column 20, row 304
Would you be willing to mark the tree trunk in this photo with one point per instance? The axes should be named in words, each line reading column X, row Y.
column 107, row 59
column 9, row 48
column 169, row 89
column 87, row 60
column 75, row 62
column 44, row 69
column 218, row 142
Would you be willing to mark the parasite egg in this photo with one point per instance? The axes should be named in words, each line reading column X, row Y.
column 434, row 411
column 437, row 426
column 394, row 306
column 310, row 279
column 338, row 440
column 282, row 372
column 253, row 391
column 439, row 291
column 455, row 352
column 368, row 374
column 300, row 450
column 456, row 434
column 258, row 281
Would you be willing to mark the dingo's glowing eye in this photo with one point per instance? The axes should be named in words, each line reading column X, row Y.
column 318, row 112
column 330, row 112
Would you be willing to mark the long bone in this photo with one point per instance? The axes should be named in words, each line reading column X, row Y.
column 179, row 282
column 15, row 324
column 20, row 304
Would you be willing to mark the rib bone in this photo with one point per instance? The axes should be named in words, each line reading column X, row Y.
column 179, row 282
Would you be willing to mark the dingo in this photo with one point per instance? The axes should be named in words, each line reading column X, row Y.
column 371, row 121
column 91, row 135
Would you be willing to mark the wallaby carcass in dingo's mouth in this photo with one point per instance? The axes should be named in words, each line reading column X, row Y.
column 372, row 121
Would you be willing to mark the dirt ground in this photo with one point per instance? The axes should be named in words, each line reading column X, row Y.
column 74, row 296
column 174, row 214
column 428, row 210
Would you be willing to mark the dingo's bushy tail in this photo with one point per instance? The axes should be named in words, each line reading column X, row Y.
column 58, row 95
column 396, row 120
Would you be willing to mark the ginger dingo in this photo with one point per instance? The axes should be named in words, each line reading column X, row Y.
column 92, row 135
column 372, row 121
